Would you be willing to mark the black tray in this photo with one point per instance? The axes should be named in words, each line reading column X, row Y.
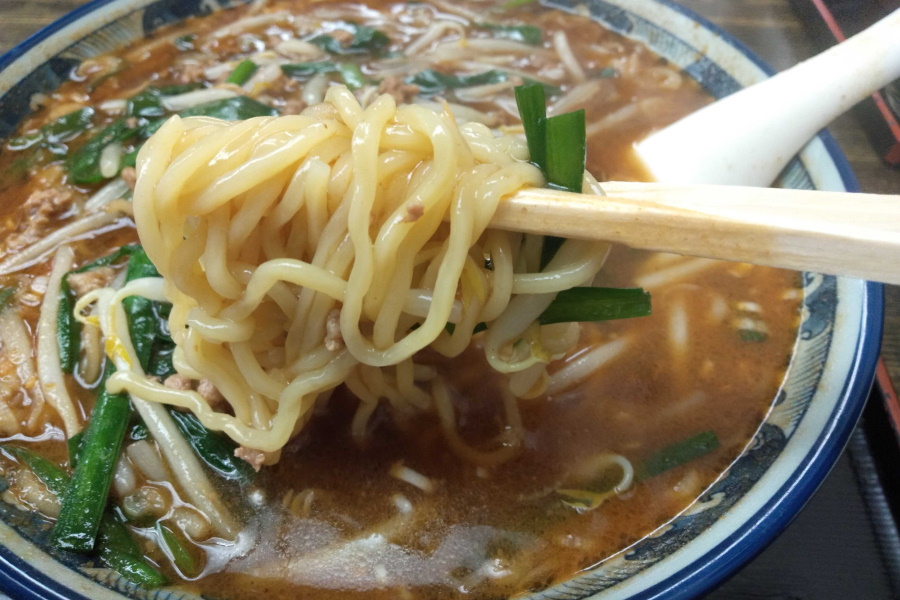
column 845, row 545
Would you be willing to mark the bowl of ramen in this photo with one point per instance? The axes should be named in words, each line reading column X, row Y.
column 258, row 337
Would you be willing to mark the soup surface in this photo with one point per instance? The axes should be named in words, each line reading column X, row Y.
column 675, row 396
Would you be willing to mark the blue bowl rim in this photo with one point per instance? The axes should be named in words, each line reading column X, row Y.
column 23, row 581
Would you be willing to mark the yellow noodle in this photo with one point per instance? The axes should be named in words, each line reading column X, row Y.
column 290, row 247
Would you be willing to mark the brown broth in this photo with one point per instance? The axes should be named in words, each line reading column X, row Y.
column 510, row 516
column 631, row 408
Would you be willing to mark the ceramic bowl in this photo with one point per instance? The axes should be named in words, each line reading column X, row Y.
column 815, row 411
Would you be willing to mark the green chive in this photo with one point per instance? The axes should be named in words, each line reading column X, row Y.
column 84, row 502
column 185, row 42
column 74, row 446
column 53, row 476
column 118, row 550
column 596, row 304
column 677, row 454
column 139, row 432
column 238, row 108
column 365, row 41
column 532, row 103
column 242, row 72
column 752, row 335
column 566, row 151
column 180, row 555
column 352, row 75
column 115, row 546
column 303, row 71
column 515, row 4
column 557, row 147
column 551, row 246
column 214, row 448
column 5, row 294
column 68, row 328
column 431, row 81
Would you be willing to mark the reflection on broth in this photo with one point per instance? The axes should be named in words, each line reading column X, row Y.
column 433, row 476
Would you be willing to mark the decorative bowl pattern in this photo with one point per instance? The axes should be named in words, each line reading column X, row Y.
column 816, row 409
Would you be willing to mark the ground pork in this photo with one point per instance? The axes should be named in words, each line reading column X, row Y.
column 189, row 73
column 129, row 176
column 210, row 393
column 254, row 457
column 46, row 204
column 414, row 212
column 293, row 106
column 40, row 210
column 204, row 387
column 179, row 382
column 82, row 283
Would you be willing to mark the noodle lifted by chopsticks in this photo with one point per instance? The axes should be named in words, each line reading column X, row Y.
column 302, row 252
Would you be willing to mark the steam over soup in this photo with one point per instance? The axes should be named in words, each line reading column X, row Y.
column 251, row 251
